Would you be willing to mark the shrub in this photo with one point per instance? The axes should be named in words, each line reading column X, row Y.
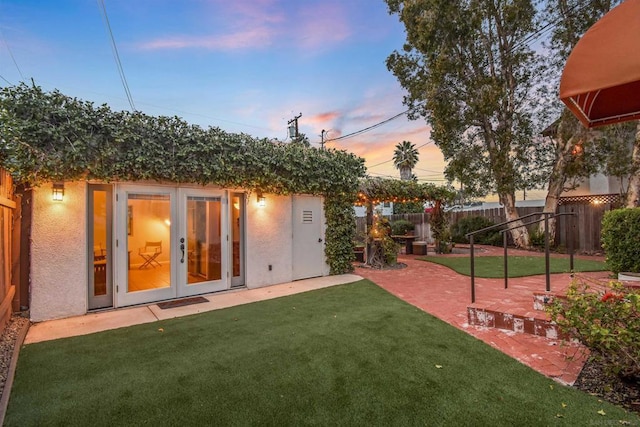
column 401, row 226
column 536, row 237
column 620, row 237
column 472, row 223
column 608, row 323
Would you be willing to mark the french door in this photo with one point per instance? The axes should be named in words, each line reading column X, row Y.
column 170, row 243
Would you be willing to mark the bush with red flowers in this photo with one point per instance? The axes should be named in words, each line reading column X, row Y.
column 608, row 323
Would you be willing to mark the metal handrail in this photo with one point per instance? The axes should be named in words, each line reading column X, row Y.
column 547, row 215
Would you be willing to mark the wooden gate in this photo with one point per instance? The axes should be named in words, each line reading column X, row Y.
column 7, row 207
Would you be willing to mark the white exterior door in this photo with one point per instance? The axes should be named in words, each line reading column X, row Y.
column 170, row 243
column 145, row 243
column 203, row 242
column 308, row 237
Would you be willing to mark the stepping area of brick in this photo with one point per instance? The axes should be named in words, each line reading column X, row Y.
column 446, row 294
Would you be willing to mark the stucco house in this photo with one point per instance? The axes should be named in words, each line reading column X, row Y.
column 97, row 245
column 123, row 208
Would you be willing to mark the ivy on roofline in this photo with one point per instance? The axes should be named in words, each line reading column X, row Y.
column 48, row 136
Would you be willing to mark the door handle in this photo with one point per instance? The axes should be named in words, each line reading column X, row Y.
column 182, row 249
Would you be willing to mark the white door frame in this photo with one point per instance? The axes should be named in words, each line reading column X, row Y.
column 184, row 289
column 121, row 252
column 177, row 230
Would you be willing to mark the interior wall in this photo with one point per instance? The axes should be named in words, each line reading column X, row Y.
column 150, row 221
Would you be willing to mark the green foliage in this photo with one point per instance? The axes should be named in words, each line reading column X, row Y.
column 47, row 136
column 470, row 224
column 377, row 190
column 405, row 157
column 384, row 248
column 620, row 239
column 340, row 233
column 440, row 229
column 519, row 266
column 408, row 207
column 401, row 226
column 537, row 238
column 607, row 323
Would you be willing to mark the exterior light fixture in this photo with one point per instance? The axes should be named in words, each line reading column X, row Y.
column 58, row 191
column 261, row 200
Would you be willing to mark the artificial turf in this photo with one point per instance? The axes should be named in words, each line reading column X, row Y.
column 518, row 266
column 345, row 355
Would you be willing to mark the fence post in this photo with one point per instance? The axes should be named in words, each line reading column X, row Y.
column 473, row 273
column 506, row 270
column 546, row 250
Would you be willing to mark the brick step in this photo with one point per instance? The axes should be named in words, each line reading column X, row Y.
column 533, row 323
column 542, row 299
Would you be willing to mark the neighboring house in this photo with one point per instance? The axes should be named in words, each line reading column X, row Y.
column 120, row 244
column 385, row 208
column 595, row 185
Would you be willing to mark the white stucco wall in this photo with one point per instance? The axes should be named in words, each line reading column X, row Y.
column 269, row 241
column 59, row 253
column 59, row 272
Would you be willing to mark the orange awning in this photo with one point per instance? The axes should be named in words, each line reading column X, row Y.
column 601, row 79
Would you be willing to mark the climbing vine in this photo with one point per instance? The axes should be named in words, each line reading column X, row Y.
column 48, row 136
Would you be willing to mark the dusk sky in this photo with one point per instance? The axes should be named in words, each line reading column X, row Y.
column 242, row 65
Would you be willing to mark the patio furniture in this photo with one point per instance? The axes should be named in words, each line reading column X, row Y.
column 149, row 253
column 408, row 242
column 419, row 248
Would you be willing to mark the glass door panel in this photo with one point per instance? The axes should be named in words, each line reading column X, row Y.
column 148, row 235
column 99, row 237
column 203, row 257
column 145, row 243
column 237, row 239
column 204, row 240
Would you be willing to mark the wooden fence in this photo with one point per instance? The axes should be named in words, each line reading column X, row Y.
column 7, row 207
column 583, row 230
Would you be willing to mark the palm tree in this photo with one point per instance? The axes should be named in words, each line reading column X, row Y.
column 405, row 158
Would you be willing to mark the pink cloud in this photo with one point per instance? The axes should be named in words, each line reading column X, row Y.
column 255, row 37
column 321, row 25
column 255, row 24
column 235, row 25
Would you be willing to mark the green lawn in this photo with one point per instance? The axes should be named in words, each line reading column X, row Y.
column 346, row 355
column 518, row 266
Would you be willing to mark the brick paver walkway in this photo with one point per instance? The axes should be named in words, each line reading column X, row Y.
column 445, row 294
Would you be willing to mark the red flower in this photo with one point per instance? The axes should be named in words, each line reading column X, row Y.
column 608, row 296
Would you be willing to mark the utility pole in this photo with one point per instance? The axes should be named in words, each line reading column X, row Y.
column 322, row 139
column 293, row 128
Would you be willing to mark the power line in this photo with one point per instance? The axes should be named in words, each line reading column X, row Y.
column 358, row 132
column 12, row 57
column 116, row 56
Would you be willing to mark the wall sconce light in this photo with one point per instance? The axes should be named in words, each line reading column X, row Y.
column 261, row 200
column 58, row 191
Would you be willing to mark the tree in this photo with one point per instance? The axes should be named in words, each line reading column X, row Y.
column 405, row 158
column 571, row 142
column 469, row 71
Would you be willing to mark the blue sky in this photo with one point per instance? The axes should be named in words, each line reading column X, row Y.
column 242, row 65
